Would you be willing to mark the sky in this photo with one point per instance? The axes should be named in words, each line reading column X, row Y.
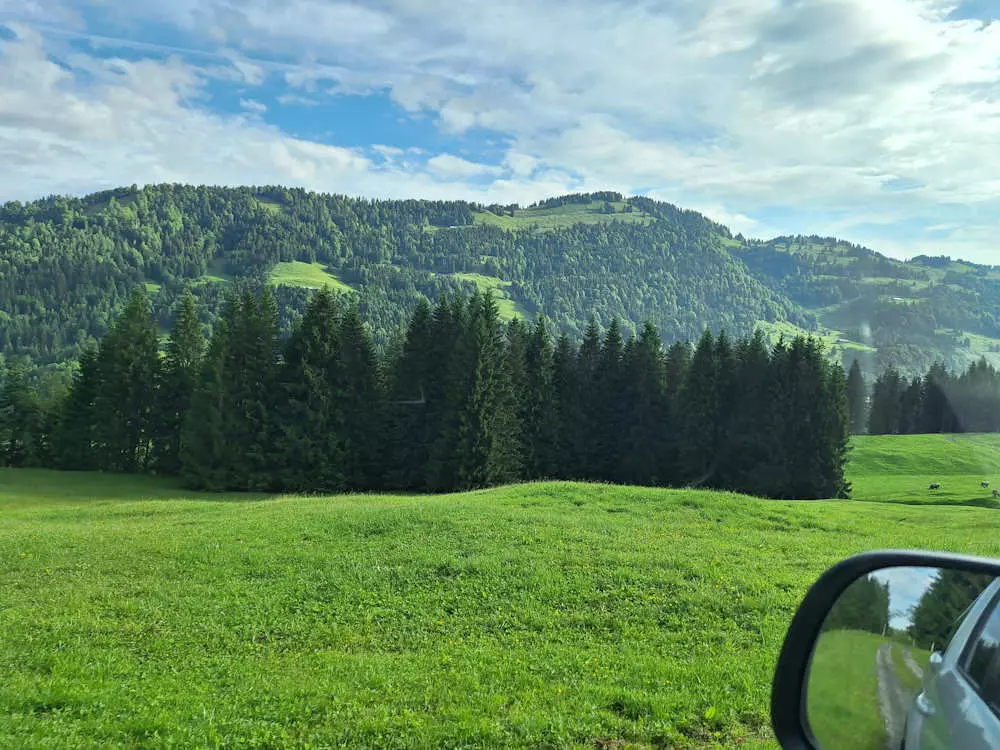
column 906, row 586
column 877, row 122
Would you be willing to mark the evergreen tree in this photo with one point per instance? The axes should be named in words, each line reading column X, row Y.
column 129, row 363
column 228, row 438
column 938, row 410
column 857, row 399
column 609, row 407
column 589, row 419
column 486, row 446
column 541, row 439
column 308, row 451
column 699, row 415
column 20, row 415
column 411, row 425
column 646, row 414
column 566, row 395
column 887, row 396
column 177, row 383
column 74, row 437
column 753, row 454
column 360, row 400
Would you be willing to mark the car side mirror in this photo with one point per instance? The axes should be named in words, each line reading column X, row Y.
column 869, row 633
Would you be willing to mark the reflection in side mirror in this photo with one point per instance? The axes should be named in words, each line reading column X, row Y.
column 903, row 633
column 935, row 661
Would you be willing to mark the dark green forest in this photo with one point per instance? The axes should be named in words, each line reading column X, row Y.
column 937, row 402
column 68, row 265
column 939, row 612
column 864, row 605
column 462, row 400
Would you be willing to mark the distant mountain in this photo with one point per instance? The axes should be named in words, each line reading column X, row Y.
column 67, row 265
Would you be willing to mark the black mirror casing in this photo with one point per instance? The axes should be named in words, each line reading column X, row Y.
column 791, row 677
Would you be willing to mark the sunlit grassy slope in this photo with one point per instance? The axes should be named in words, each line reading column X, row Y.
column 901, row 468
column 561, row 216
column 309, row 275
column 133, row 613
column 506, row 306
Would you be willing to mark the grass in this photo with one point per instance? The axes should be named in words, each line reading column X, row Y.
column 507, row 307
column 308, row 275
column 136, row 613
column 906, row 676
column 901, row 468
column 152, row 287
column 843, row 705
column 560, row 614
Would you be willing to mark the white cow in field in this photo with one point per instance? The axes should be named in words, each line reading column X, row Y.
column 984, row 484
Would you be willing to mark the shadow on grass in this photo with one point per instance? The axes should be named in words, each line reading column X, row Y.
column 38, row 486
column 974, row 502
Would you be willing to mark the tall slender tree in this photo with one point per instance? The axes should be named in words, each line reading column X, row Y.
column 857, row 399
column 178, row 377
column 129, row 362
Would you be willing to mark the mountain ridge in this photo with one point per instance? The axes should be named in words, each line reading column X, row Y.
column 67, row 264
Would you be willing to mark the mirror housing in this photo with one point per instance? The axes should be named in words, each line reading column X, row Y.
column 789, row 719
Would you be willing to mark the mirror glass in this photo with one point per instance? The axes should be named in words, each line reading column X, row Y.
column 909, row 658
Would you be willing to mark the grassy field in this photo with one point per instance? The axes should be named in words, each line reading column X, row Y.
column 901, row 468
column 308, row 275
column 843, row 704
column 134, row 613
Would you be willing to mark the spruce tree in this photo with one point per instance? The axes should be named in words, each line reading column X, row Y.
column 360, row 401
column 410, row 429
column 129, row 362
column 74, row 437
column 308, row 423
column 857, row 399
column 646, row 416
column 178, row 377
column 609, row 406
column 541, row 439
column 700, row 413
column 567, row 406
column 19, row 415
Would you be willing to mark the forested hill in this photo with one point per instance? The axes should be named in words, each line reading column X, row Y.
column 67, row 265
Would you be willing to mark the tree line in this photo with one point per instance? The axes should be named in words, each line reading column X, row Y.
column 461, row 399
column 936, row 402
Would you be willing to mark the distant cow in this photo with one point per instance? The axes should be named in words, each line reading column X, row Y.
column 935, row 486
column 996, row 493
column 984, row 484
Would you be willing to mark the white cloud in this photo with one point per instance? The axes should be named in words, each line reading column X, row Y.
column 741, row 107
column 454, row 167
column 253, row 106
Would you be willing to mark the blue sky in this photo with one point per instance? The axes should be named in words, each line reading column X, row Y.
column 876, row 122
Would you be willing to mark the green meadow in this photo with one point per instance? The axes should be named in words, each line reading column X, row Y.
column 134, row 613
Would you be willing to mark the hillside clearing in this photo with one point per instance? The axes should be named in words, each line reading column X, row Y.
column 506, row 306
column 308, row 275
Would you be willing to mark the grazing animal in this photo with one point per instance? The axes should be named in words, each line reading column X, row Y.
column 935, row 486
column 996, row 493
column 984, row 484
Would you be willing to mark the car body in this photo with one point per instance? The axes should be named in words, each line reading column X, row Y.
column 959, row 704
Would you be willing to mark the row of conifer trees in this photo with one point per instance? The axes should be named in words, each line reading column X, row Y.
column 461, row 400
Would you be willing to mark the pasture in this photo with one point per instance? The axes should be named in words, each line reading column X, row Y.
column 135, row 613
